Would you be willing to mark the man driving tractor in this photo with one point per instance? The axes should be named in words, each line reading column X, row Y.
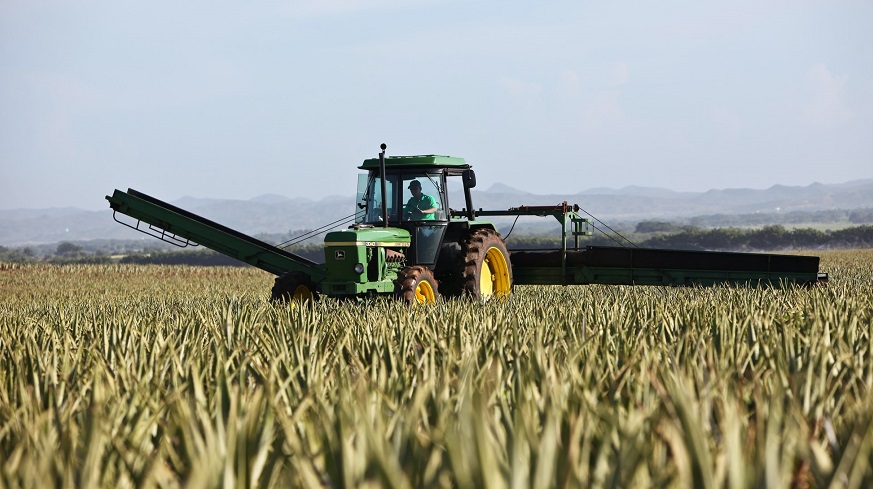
column 419, row 207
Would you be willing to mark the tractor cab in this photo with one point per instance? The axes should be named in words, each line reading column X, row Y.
column 416, row 198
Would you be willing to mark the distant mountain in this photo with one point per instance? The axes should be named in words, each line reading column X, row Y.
column 278, row 214
column 21, row 214
column 633, row 190
column 853, row 183
column 270, row 199
column 499, row 188
column 195, row 202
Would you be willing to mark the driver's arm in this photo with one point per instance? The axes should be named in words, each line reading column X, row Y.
column 430, row 201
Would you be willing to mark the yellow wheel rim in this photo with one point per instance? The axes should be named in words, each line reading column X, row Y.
column 302, row 294
column 494, row 277
column 424, row 293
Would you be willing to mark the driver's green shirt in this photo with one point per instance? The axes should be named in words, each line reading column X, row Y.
column 423, row 202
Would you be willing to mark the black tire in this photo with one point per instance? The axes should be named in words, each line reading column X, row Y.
column 416, row 285
column 486, row 271
column 293, row 286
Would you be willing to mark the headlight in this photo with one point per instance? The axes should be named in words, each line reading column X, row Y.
column 359, row 268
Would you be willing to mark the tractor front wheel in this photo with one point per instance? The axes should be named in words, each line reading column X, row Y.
column 487, row 271
column 416, row 285
column 293, row 287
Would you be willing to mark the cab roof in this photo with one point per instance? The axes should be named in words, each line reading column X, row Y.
column 418, row 161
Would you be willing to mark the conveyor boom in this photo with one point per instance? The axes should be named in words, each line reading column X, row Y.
column 180, row 227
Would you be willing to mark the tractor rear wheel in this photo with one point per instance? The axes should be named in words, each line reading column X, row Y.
column 487, row 271
column 293, row 287
column 416, row 285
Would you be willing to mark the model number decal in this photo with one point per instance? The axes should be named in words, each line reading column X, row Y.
column 367, row 243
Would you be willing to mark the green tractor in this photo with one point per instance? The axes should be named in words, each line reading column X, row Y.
column 407, row 242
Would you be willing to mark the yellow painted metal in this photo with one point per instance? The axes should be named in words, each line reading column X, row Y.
column 494, row 276
column 424, row 293
column 302, row 294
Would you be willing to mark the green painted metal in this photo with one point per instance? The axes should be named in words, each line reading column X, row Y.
column 345, row 288
column 566, row 214
column 364, row 247
column 419, row 161
column 180, row 227
column 644, row 266
column 643, row 276
column 636, row 266
column 369, row 236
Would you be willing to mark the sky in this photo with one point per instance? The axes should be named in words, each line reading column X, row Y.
column 234, row 100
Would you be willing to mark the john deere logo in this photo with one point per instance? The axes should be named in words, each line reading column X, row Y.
column 339, row 255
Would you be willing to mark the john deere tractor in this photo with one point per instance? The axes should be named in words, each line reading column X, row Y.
column 406, row 241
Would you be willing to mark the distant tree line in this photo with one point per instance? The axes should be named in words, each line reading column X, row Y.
column 766, row 238
column 67, row 253
column 659, row 235
column 690, row 238
column 16, row 255
column 853, row 216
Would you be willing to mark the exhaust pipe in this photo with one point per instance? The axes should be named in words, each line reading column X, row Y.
column 384, row 186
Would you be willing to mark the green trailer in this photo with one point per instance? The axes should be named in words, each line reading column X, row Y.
column 405, row 241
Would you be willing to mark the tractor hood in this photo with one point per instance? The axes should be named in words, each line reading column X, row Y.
column 368, row 237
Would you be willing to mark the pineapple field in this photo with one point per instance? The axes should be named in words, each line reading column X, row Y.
column 173, row 376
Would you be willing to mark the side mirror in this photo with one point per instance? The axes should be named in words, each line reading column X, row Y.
column 469, row 178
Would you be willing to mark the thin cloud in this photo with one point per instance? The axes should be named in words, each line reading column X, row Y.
column 519, row 88
column 601, row 108
column 322, row 8
column 826, row 105
column 725, row 117
column 619, row 73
